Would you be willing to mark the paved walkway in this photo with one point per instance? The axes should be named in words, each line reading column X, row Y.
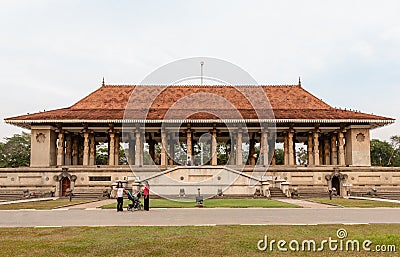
column 198, row 217
column 306, row 204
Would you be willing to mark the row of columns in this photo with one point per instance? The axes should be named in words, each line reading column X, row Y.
column 76, row 149
column 326, row 150
column 81, row 150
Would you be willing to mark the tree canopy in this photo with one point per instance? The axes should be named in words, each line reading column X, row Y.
column 15, row 151
column 385, row 153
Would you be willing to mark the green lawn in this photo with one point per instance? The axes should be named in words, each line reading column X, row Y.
column 184, row 241
column 214, row 203
column 41, row 205
column 356, row 203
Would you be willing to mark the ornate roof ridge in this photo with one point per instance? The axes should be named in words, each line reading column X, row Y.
column 238, row 85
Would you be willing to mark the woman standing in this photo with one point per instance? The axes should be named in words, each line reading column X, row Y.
column 146, row 195
column 120, row 196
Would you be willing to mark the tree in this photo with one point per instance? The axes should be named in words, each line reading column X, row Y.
column 302, row 156
column 16, row 151
column 279, row 156
column 395, row 143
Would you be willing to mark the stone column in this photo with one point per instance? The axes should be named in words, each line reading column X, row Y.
column 239, row 157
column 309, row 149
column 68, row 150
column 60, row 149
column 189, row 146
column 117, row 139
column 334, row 157
column 164, row 145
column 264, row 148
column 214, row 147
column 111, row 148
column 171, row 148
column 75, row 151
column 85, row 148
column 316, row 148
column 252, row 143
column 327, row 151
column 273, row 161
column 92, row 155
column 321, row 151
column 142, row 142
column 291, row 147
column 341, row 148
column 138, row 144
column 285, row 149
column 132, row 151
column 232, row 154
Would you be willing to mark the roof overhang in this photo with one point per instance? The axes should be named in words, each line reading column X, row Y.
column 372, row 123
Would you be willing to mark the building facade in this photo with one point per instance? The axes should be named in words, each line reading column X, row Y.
column 193, row 134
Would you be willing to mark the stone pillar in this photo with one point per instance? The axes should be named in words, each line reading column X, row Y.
column 131, row 154
column 142, row 142
column 264, row 148
column 334, row 157
column 327, row 151
column 273, row 161
column 75, row 151
column 309, row 149
column 214, row 147
column 111, row 148
column 189, row 146
column 68, row 150
column 239, row 157
column 164, row 146
column 117, row 139
column 171, row 148
column 291, row 147
column 321, row 151
column 60, row 149
column 138, row 151
column 92, row 155
column 232, row 154
column 316, row 148
column 252, row 143
column 85, row 148
column 285, row 149
column 342, row 161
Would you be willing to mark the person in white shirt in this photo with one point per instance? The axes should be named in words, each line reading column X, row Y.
column 120, row 196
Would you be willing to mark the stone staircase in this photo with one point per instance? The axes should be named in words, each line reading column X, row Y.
column 393, row 195
column 313, row 193
column 7, row 195
column 88, row 194
column 276, row 192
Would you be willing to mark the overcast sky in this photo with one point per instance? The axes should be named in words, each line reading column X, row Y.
column 53, row 53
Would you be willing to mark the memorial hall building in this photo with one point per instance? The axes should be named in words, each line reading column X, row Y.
column 112, row 135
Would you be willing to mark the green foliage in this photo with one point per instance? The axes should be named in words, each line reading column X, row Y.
column 279, row 158
column 384, row 153
column 102, row 154
column 302, row 156
column 380, row 152
column 16, row 151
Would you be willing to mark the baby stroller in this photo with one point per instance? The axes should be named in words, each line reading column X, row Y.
column 136, row 203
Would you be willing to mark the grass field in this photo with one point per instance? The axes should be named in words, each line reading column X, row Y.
column 214, row 203
column 184, row 241
column 356, row 203
column 41, row 205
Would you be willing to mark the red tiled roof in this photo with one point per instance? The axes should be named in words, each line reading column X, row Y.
column 110, row 102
